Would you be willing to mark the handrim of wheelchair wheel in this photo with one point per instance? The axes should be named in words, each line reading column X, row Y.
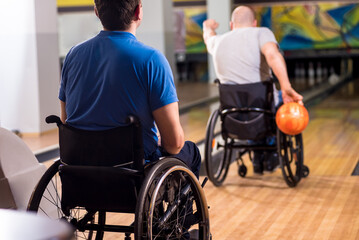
column 174, row 203
column 290, row 149
column 217, row 156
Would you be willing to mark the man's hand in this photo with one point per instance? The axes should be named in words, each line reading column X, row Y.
column 210, row 24
column 209, row 27
column 290, row 95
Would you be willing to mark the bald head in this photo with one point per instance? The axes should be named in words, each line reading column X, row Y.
column 243, row 16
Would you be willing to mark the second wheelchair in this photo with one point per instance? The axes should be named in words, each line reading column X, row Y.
column 245, row 118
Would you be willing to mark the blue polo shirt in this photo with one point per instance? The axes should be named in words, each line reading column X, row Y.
column 111, row 76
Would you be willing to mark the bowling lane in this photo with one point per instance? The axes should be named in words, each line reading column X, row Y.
column 331, row 139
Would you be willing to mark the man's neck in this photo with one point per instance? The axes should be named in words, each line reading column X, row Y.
column 131, row 29
column 242, row 26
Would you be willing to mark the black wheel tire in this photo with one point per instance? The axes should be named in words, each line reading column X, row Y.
column 46, row 200
column 217, row 156
column 305, row 171
column 290, row 152
column 160, row 192
column 242, row 170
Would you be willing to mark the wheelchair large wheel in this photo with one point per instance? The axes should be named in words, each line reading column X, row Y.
column 46, row 200
column 217, row 156
column 290, row 150
column 171, row 202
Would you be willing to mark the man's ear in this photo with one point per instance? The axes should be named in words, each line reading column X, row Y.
column 255, row 23
column 137, row 12
column 231, row 25
column 95, row 9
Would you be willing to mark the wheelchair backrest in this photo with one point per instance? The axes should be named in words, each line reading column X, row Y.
column 257, row 95
column 251, row 110
column 112, row 147
column 102, row 170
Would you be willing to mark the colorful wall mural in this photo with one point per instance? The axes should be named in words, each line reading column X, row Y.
column 313, row 26
column 194, row 18
column 309, row 26
column 74, row 3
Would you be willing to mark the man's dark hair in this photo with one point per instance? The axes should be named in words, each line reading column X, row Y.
column 116, row 14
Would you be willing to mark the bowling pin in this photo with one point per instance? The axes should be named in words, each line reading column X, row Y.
column 311, row 79
column 333, row 77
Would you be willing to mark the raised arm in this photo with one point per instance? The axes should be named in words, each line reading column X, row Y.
column 209, row 27
column 168, row 123
column 276, row 61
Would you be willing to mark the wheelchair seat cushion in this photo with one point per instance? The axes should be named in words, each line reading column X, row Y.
column 255, row 129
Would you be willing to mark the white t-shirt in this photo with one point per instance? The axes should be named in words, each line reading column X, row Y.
column 237, row 56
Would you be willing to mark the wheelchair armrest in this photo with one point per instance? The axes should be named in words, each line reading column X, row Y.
column 53, row 119
column 234, row 110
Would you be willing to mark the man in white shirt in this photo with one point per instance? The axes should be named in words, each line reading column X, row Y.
column 248, row 54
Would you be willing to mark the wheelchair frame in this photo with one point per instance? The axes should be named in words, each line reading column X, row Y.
column 169, row 198
column 219, row 148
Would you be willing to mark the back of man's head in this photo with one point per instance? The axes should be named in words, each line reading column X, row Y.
column 116, row 14
column 243, row 16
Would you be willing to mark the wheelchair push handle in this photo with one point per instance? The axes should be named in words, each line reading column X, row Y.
column 53, row 119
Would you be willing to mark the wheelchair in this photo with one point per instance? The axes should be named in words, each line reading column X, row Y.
column 245, row 117
column 101, row 172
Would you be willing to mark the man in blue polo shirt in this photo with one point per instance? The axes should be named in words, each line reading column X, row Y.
column 113, row 75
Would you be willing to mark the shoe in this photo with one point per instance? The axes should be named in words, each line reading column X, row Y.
column 271, row 162
column 258, row 163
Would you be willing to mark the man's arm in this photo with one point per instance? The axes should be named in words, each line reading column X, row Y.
column 63, row 114
column 276, row 61
column 209, row 27
column 168, row 123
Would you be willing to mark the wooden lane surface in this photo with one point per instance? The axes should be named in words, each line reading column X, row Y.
column 321, row 207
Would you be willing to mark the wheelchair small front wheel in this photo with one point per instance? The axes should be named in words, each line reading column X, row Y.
column 217, row 155
column 46, row 200
column 242, row 170
column 305, row 171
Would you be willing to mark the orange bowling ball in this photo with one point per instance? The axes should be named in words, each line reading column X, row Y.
column 292, row 118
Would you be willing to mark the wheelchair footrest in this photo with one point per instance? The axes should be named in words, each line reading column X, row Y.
column 205, row 180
